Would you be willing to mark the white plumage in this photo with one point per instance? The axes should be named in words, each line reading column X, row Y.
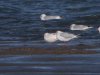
column 64, row 36
column 45, row 17
column 50, row 37
column 79, row 27
column 99, row 29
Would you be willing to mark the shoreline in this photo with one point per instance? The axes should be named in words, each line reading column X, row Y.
column 58, row 50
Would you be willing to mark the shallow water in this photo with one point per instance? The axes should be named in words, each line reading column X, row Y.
column 20, row 25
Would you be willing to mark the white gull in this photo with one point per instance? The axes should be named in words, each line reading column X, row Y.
column 45, row 17
column 65, row 36
column 79, row 27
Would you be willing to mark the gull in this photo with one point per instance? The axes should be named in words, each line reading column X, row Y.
column 45, row 17
column 99, row 29
column 50, row 37
column 65, row 36
column 79, row 27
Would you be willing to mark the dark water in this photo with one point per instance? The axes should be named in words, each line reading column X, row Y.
column 20, row 25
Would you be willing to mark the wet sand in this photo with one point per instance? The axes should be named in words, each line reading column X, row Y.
column 30, row 51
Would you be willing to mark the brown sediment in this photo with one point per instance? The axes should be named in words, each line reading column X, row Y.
column 83, row 46
column 30, row 51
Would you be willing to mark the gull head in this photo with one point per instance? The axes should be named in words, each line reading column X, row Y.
column 72, row 26
column 43, row 16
